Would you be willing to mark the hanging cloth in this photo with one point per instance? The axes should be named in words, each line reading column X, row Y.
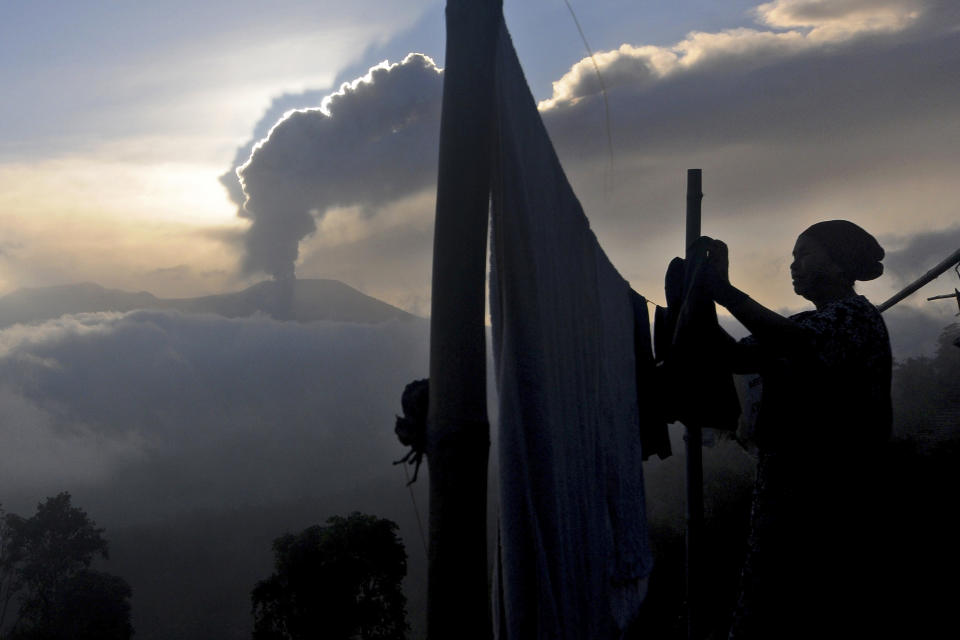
column 654, row 435
column 574, row 555
column 696, row 386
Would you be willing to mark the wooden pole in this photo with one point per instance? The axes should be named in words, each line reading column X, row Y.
column 694, row 443
column 929, row 276
column 458, row 434
column 955, row 294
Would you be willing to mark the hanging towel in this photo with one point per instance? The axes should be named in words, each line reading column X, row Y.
column 573, row 551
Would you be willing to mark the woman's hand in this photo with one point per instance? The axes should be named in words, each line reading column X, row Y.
column 713, row 255
column 781, row 336
column 718, row 261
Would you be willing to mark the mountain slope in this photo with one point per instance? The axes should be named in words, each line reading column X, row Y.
column 300, row 300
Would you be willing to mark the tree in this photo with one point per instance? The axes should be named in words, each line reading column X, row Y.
column 925, row 392
column 45, row 569
column 340, row 581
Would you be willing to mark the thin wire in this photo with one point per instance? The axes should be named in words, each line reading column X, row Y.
column 603, row 88
column 603, row 92
column 413, row 499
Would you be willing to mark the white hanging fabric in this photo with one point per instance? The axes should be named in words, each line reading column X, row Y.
column 574, row 556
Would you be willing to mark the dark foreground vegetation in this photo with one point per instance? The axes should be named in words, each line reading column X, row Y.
column 340, row 581
column 47, row 589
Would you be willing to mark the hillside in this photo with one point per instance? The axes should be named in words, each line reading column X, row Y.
column 305, row 300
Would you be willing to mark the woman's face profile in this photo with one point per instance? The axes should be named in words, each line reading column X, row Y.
column 813, row 271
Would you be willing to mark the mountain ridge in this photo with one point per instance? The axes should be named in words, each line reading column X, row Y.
column 301, row 300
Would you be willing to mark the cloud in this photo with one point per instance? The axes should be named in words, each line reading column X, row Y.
column 913, row 256
column 365, row 145
column 39, row 451
column 914, row 331
column 426, row 34
column 831, row 19
column 811, row 23
column 153, row 413
column 279, row 107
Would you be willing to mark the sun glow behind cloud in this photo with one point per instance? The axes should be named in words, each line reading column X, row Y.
column 134, row 225
column 173, row 191
column 118, row 127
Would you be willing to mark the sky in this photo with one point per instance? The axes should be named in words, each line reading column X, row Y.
column 188, row 148
column 125, row 123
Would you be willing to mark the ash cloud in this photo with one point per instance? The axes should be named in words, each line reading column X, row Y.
column 279, row 107
column 368, row 144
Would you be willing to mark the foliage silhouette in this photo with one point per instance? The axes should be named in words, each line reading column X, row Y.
column 45, row 570
column 339, row 581
column 926, row 393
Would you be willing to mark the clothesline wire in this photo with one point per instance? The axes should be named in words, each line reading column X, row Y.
column 603, row 92
column 603, row 88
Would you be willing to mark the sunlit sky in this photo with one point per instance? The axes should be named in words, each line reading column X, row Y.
column 119, row 118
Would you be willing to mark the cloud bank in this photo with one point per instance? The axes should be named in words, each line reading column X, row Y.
column 197, row 439
column 802, row 25
column 153, row 413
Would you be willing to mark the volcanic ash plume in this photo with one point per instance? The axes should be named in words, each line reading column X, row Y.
column 368, row 144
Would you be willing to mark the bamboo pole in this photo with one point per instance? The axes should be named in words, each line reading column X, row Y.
column 458, row 434
column 929, row 276
column 694, row 443
column 955, row 294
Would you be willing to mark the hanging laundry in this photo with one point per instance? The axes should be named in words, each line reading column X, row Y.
column 654, row 436
column 696, row 387
column 574, row 555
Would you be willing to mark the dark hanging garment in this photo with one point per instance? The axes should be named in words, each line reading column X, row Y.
column 695, row 386
column 666, row 393
column 654, row 436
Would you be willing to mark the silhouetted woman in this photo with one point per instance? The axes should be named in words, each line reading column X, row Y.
column 813, row 558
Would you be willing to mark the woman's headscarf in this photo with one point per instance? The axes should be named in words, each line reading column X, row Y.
column 857, row 252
